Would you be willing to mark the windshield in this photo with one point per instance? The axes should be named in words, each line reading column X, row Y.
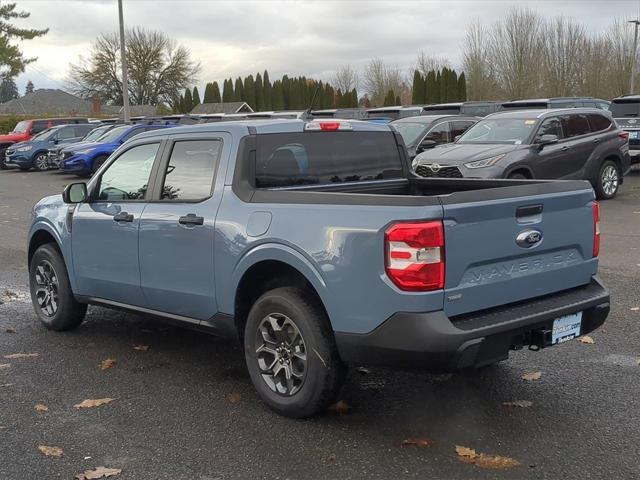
column 113, row 135
column 96, row 133
column 21, row 127
column 500, row 130
column 624, row 109
column 410, row 132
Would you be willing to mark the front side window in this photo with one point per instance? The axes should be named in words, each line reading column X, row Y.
column 574, row 125
column 191, row 169
column 65, row 133
column 439, row 133
column 21, row 127
column 409, row 131
column 550, row 126
column 127, row 178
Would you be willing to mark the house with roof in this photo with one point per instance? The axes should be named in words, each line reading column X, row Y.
column 53, row 101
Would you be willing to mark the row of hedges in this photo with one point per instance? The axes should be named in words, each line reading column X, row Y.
column 7, row 123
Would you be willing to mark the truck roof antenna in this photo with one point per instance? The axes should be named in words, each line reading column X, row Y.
column 307, row 113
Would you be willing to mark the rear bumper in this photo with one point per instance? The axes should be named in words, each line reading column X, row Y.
column 433, row 341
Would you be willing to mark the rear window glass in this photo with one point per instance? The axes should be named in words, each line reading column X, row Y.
column 319, row 158
column 574, row 125
column 624, row 109
column 599, row 122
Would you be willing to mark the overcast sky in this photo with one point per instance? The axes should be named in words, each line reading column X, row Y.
column 232, row 38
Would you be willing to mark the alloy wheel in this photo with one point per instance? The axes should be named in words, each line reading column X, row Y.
column 281, row 354
column 47, row 288
column 41, row 162
column 609, row 180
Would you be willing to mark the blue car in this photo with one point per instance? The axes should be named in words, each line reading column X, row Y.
column 83, row 160
column 34, row 152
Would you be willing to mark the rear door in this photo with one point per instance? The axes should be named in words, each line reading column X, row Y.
column 580, row 145
column 486, row 266
column 177, row 229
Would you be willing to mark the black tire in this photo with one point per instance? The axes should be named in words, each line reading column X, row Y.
column 69, row 313
column 25, row 169
column 97, row 163
column 517, row 176
column 607, row 183
column 323, row 370
column 41, row 162
column 3, row 165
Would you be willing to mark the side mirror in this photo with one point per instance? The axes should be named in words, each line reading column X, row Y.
column 426, row 145
column 75, row 193
column 547, row 139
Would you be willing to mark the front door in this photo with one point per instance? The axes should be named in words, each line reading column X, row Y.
column 177, row 231
column 105, row 229
column 549, row 157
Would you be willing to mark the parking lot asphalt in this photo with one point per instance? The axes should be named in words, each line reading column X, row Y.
column 185, row 408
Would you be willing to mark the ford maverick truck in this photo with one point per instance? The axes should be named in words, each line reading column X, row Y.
column 314, row 244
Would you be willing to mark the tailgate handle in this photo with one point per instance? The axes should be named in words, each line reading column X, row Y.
column 528, row 211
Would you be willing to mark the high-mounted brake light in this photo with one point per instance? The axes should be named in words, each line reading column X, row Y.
column 596, row 229
column 331, row 126
column 415, row 255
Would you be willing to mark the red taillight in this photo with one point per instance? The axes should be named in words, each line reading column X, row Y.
column 596, row 229
column 329, row 126
column 624, row 135
column 415, row 255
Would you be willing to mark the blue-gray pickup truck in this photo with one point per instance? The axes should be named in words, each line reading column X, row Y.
column 314, row 244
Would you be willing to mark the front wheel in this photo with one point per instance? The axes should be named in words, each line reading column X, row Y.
column 291, row 353
column 51, row 294
column 608, row 180
column 41, row 162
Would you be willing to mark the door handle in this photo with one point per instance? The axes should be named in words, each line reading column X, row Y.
column 191, row 219
column 564, row 149
column 123, row 217
column 596, row 140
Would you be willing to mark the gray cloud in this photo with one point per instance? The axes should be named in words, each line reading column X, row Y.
column 294, row 37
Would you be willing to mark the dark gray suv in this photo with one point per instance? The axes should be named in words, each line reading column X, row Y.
column 576, row 143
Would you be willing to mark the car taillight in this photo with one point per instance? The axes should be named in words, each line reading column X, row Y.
column 596, row 229
column 624, row 135
column 415, row 255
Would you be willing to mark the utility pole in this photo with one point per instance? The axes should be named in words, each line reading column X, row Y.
column 635, row 57
column 125, row 80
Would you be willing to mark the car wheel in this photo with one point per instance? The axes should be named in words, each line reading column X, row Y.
column 97, row 163
column 608, row 180
column 41, row 162
column 516, row 176
column 51, row 293
column 291, row 353
column 3, row 166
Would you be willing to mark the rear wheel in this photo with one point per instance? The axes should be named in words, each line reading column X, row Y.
column 97, row 163
column 291, row 354
column 51, row 294
column 41, row 162
column 517, row 176
column 608, row 180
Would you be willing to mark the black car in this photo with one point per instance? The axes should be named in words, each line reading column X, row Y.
column 626, row 112
column 426, row 131
column 572, row 143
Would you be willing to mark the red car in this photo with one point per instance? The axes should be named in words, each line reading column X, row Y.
column 25, row 129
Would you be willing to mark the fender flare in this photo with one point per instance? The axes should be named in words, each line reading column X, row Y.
column 44, row 225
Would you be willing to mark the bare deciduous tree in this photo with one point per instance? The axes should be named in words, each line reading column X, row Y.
column 477, row 64
column 345, row 79
column 159, row 69
column 619, row 38
column 426, row 63
column 564, row 44
column 379, row 78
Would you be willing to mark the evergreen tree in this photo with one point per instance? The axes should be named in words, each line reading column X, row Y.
column 215, row 95
column 228, row 95
column 238, row 91
column 452, row 86
column 437, row 95
column 339, row 99
column 8, row 89
column 195, row 97
column 418, row 89
column 29, row 88
column 277, row 96
column 295, row 94
column 389, row 99
column 444, row 80
column 208, row 93
column 431, row 88
column 259, row 94
column 354, row 99
column 329, row 97
column 398, row 100
column 249, row 89
column 286, row 92
column 462, row 88
column 187, row 103
column 266, row 94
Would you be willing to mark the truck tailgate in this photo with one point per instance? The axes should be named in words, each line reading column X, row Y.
column 514, row 243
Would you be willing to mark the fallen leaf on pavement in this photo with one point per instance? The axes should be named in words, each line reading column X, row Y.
column 469, row 455
column 50, row 451
column 94, row 402
column 341, row 407
column 98, row 472
column 10, row 330
column 332, row 459
column 22, row 355
column 108, row 363
column 7, row 385
column 141, row 348
column 532, row 376
column 41, row 408
column 518, row 403
column 4, row 365
column 586, row 339
column 233, row 398
column 418, row 442
column 635, row 309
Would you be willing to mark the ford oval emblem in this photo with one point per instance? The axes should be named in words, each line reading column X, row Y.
column 529, row 238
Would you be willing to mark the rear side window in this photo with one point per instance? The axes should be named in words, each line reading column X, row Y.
column 575, row 125
column 319, row 158
column 599, row 122
column 191, row 169
column 439, row 133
